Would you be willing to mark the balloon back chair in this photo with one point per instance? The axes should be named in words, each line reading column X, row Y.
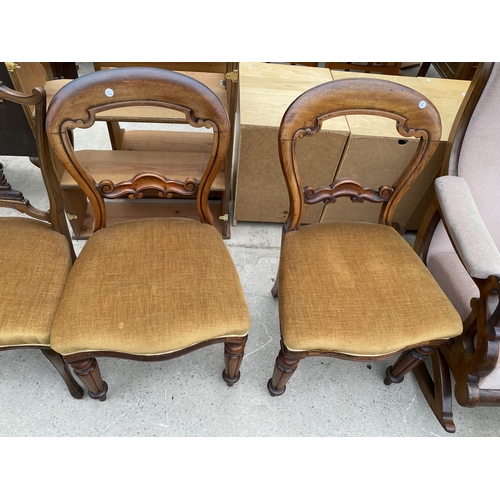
column 357, row 290
column 459, row 240
column 145, row 289
column 36, row 253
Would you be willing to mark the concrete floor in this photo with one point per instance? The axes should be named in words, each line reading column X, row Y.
column 187, row 396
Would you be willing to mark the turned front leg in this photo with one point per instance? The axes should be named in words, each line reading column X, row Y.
column 88, row 372
column 285, row 366
column 405, row 364
column 233, row 356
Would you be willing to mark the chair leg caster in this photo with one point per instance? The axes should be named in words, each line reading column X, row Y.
column 273, row 391
column 89, row 373
column 230, row 380
column 390, row 378
column 101, row 395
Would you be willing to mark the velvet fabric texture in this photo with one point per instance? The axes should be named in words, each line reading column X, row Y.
column 358, row 289
column 35, row 263
column 148, row 287
column 474, row 243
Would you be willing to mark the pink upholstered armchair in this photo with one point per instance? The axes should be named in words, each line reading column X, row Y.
column 459, row 241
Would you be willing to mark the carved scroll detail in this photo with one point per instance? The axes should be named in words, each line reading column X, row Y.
column 6, row 191
column 142, row 182
column 10, row 198
column 350, row 188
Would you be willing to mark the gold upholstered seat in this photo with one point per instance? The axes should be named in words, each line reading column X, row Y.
column 35, row 264
column 36, row 255
column 326, row 302
column 146, row 289
column 356, row 290
column 150, row 287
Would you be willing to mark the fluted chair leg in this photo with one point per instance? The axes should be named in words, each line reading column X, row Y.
column 233, row 356
column 285, row 366
column 90, row 375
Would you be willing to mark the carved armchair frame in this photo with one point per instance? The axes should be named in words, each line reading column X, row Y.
column 473, row 354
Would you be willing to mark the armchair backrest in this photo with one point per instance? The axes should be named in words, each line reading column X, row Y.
column 477, row 159
column 414, row 114
column 76, row 106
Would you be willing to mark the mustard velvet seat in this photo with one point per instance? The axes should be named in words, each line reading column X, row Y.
column 35, row 263
column 154, row 287
column 358, row 289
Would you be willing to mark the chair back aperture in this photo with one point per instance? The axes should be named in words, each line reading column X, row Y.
column 414, row 114
column 77, row 104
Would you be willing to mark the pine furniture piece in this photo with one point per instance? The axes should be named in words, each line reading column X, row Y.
column 357, row 290
column 459, row 241
column 266, row 91
column 343, row 146
column 222, row 79
column 35, row 254
column 145, row 289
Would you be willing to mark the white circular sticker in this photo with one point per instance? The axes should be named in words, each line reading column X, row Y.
column 422, row 104
column 109, row 92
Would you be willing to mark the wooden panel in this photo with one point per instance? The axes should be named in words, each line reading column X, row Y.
column 266, row 91
column 167, row 140
column 118, row 166
column 447, row 96
column 261, row 193
column 123, row 210
column 372, row 160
